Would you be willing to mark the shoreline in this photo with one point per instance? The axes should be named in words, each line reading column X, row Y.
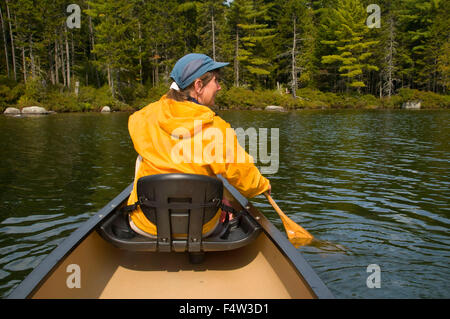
column 238, row 109
column 235, row 98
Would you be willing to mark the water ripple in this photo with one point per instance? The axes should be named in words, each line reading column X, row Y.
column 372, row 187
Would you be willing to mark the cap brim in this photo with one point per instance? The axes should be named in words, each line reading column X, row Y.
column 218, row 65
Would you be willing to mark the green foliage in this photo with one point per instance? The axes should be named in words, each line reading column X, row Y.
column 242, row 98
column 245, row 99
column 92, row 99
column 249, row 21
column 123, row 53
column 34, row 90
column 61, row 102
column 428, row 99
column 296, row 16
column 350, row 43
column 423, row 27
column 10, row 92
column 149, row 95
column 89, row 99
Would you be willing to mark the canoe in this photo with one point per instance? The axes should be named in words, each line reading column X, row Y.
column 86, row 265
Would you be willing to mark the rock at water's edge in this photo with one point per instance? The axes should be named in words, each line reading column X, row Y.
column 414, row 105
column 274, row 108
column 34, row 110
column 106, row 109
column 11, row 110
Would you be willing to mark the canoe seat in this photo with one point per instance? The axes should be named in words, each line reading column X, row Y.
column 179, row 205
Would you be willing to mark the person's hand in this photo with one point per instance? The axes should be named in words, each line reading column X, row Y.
column 269, row 190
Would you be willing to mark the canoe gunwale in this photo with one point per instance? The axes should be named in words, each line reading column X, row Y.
column 37, row 277
column 295, row 257
column 284, row 245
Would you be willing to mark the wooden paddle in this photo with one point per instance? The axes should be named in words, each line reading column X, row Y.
column 296, row 233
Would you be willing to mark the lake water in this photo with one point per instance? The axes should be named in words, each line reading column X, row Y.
column 372, row 186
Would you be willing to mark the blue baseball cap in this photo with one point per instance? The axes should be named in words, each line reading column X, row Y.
column 191, row 67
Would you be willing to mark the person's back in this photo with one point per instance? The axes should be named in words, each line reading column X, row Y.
column 181, row 134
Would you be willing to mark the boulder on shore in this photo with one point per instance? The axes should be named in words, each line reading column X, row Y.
column 274, row 108
column 412, row 105
column 106, row 109
column 34, row 110
column 11, row 111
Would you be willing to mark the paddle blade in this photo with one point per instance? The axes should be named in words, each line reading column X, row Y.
column 299, row 242
column 293, row 230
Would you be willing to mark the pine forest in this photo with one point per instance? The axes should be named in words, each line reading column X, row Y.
column 83, row 55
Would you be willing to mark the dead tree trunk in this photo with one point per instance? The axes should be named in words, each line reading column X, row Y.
column 63, row 67
column 51, row 63
column 140, row 52
column 67, row 58
column 388, row 74
column 24, row 65
column 56, row 63
column 92, row 41
column 293, row 55
column 236, row 60
column 213, row 29
column 13, row 54
column 4, row 42
column 33, row 64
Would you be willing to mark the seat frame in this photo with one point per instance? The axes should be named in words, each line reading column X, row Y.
column 231, row 234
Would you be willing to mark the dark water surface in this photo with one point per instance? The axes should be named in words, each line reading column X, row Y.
column 372, row 186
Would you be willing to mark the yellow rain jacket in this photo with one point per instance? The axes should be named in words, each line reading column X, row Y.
column 185, row 137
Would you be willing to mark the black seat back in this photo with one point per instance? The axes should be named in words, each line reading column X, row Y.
column 179, row 205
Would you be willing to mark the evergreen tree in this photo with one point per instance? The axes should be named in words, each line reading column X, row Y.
column 297, row 39
column 211, row 22
column 389, row 45
column 27, row 22
column 435, row 48
column 114, row 45
column 384, row 82
column 350, row 44
column 306, row 59
column 249, row 23
column 133, row 44
column 424, row 31
column 443, row 67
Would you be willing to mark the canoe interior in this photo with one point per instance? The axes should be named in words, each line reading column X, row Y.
column 258, row 270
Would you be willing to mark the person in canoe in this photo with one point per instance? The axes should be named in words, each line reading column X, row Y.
column 181, row 134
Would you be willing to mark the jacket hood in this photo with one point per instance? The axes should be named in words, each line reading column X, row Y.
column 187, row 115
